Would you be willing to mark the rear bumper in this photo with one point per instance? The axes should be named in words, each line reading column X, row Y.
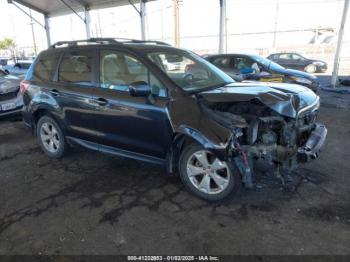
column 313, row 145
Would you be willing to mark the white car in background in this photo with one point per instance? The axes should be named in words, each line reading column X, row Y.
column 11, row 99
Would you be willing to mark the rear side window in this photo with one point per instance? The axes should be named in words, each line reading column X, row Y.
column 45, row 67
column 285, row 56
column 240, row 63
column 76, row 68
column 272, row 57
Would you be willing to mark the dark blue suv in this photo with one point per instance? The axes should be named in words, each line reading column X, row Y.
column 156, row 103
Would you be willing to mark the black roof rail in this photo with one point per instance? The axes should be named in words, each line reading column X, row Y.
column 109, row 40
column 91, row 40
column 136, row 41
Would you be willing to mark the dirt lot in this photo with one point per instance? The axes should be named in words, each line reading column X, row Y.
column 90, row 203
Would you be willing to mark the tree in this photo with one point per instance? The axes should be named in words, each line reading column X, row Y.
column 8, row 44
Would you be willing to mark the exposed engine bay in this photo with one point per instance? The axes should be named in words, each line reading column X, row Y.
column 264, row 140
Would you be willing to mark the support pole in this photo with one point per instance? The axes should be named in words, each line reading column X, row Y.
column 47, row 30
column 176, row 23
column 143, row 19
column 33, row 33
column 87, row 22
column 222, row 25
column 276, row 24
column 339, row 44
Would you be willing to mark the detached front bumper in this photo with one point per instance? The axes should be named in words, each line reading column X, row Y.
column 313, row 145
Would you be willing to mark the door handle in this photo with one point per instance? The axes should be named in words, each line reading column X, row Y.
column 55, row 92
column 101, row 101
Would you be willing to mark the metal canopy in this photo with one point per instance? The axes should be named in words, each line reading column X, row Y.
column 52, row 8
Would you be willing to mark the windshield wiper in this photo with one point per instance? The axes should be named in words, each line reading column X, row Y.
column 211, row 87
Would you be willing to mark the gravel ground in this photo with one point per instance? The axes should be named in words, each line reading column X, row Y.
column 91, row 203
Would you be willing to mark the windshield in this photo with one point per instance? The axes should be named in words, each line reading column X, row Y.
column 268, row 63
column 189, row 71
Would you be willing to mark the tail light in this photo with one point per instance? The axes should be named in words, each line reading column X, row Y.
column 23, row 86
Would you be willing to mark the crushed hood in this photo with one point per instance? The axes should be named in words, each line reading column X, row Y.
column 285, row 99
column 9, row 84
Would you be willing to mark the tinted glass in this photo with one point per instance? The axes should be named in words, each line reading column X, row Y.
column 45, row 67
column 297, row 57
column 285, row 56
column 76, row 67
column 119, row 70
column 222, row 62
column 240, row 63
column 273, row 57
column 189, row 71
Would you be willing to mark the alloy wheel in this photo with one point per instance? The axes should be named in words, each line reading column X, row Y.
column 207, row 173
column 49, row 137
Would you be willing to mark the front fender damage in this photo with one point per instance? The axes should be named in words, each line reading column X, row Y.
column 255, row 136
column 263, row 141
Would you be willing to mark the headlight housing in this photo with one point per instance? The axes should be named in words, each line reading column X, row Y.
column 301, row 80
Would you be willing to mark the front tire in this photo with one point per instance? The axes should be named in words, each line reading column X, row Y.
column 51, row 138
column 311, row 68
column 204, row 175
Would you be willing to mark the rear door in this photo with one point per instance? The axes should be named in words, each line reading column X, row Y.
column 135, row 124
column 285, row 60
column 299, row 62
column 72, row 90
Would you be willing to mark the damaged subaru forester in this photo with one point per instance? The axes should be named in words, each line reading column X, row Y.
column 152, row 102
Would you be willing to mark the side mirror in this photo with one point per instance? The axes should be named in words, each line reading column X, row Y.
column 139, row 88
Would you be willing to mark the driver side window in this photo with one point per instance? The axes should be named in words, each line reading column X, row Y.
column 118, row 71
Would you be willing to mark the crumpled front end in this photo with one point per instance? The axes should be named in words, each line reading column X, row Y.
column 264, row 140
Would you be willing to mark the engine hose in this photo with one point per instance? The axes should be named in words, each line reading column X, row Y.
column 243, row 165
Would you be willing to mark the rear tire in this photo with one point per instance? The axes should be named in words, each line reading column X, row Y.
column 205, row 176
column 311, row 68
column 50, row 137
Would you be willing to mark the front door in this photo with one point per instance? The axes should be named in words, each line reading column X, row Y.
column 134, row 124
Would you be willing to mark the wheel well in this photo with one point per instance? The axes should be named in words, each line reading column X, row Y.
column 38, row 114
column 179, row 143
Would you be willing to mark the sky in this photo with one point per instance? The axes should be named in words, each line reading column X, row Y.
column 250, row 23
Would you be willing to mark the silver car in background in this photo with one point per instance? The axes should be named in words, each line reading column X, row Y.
column 11, row 99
